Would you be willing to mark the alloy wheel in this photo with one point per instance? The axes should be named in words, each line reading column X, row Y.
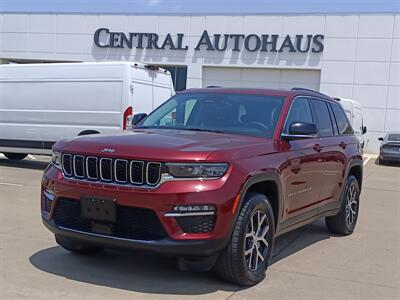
column 256, row 244
column 351, row 204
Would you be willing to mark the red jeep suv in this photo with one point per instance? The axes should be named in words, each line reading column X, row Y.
column 212, row 177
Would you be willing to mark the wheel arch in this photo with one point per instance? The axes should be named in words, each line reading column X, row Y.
column 267, row 184
column 355, row 168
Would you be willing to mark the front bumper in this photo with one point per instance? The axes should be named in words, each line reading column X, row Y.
column 165, row 246
column 390, row 156
column 220, row 193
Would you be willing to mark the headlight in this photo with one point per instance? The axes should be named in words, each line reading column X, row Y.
column 195, row 170
column 56, row 159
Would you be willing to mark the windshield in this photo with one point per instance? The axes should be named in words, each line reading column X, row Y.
column 394, row 137
column 255, row 115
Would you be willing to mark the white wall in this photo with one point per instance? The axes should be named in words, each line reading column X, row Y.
column 361, row 59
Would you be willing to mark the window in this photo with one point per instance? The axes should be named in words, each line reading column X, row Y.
column 255, row 115
column 177, row 114
column 179, row 75
column 299, row 112
column 341, row 119
column 394, row 137
column 324, row 123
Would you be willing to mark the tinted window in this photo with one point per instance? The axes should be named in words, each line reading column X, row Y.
column 394, row 137
column 231, row 113
column 324, row 123
column 341, row 119
column 299, row 112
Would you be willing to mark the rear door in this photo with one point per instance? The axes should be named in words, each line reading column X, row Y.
column 304, row 170
column 332, row 155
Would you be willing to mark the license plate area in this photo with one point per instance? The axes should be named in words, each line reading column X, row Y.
column 98, row 209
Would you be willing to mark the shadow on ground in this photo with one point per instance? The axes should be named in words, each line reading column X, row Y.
column 24, row 164
column 395, row 164
column 157, row 275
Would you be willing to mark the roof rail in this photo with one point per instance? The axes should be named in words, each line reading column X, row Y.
column 307, row 90
column 213, row 86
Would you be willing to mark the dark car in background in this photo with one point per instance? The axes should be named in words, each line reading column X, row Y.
column 390, row 148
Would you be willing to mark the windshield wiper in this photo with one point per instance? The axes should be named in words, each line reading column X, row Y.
column 180, row 128
column 203, row 129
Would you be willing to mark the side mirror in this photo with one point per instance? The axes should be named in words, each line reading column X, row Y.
column 301, row 130
column 137, row 118
column 380, row 139
column 364, row 129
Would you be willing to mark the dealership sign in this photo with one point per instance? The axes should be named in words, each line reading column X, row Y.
column 104, row 38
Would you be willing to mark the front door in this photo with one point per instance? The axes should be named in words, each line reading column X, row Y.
column 303, row 172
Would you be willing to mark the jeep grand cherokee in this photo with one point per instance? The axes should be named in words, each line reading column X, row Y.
column 212, row 177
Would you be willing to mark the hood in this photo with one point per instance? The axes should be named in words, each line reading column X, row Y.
column 157, row 144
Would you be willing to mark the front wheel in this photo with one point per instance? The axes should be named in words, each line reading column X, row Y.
column 15, row 156
column 245, row 260
column 345, row 221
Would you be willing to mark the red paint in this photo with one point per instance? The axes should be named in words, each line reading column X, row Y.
column 308, row 178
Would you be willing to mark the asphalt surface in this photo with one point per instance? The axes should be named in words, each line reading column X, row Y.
column 308, row 263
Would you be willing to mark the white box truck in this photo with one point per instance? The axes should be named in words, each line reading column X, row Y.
column 354, row 112
column 42, row 103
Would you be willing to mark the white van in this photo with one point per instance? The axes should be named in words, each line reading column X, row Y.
column 42, row 103
column 355, row 115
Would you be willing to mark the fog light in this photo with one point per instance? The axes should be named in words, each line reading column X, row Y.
column 192, row 210
column 48, row 200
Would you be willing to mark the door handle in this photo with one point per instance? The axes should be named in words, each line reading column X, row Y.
column 317, row 147
column 343, row 145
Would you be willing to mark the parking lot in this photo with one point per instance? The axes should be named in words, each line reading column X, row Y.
column 308, row 263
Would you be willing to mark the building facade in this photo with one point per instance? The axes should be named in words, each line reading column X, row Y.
column 354, row 56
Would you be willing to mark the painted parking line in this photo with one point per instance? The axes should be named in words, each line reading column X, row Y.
column 366, row 161
column 11, row 184
column 31, row 157
column 2, row 155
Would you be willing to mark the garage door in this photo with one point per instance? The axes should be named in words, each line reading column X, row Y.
column 262, row 78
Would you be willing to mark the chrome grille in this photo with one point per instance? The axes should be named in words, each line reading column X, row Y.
column 92, row 170
column 79, row 166
column 108, row 170
column 136, row 169
column 153, row 173
column 121, row 170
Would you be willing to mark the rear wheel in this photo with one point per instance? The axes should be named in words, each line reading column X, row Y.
column 15, row 156
column 76, row 246
column 245, row 260
column 345, row 221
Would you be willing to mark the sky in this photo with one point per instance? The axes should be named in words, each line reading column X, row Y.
column 200, row 6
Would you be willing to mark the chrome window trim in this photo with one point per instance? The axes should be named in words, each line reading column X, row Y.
column 130, row 171
column 74, row 164
column 101, row 173
column 126, row 171
column 147, row 173
column 87, row 168
column 62, row 163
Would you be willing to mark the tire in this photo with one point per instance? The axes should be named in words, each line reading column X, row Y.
column 345, row 221
column 76, row 246
column 15, row 156
column 381, row 161
column 232, row 264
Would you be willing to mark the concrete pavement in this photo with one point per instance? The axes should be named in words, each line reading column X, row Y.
column 308, row 263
